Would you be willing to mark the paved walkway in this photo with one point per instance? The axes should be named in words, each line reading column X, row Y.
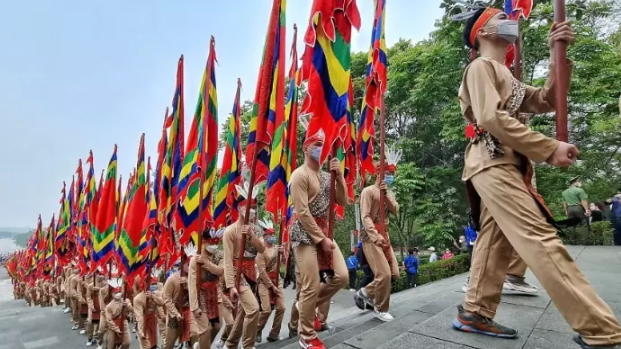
column 424, row 316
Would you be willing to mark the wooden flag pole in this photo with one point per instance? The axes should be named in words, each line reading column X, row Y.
column 560, row 72
column 332, row 210
column 382, row 167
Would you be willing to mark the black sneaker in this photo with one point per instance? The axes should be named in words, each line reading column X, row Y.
column 478, row 324
column 583, row 345
column 293, row 332
column 272, row 340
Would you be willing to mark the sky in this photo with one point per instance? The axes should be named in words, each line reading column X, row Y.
column 78, row 75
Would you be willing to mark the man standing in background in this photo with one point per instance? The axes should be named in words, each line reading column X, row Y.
column 575, row 203
column 352, row 267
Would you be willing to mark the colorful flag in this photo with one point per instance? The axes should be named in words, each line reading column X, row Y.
column 148, row 250
column 63, row 245
column 346, row 152
column 276, row 197
column 131, row 231
column 49, row 248
column 173, row 160
column 268, row 108
column 103, row 228
column 376, row 79
column 225, row 211
column 514, row 10
column 201, row 153
column 326, row 67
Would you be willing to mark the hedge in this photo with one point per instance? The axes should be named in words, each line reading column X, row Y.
column 428, row 272
column 601, row 234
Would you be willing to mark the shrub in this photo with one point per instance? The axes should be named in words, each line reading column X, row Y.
column 429, row 272
column 601, row 233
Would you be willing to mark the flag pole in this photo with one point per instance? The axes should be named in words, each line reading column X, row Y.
column 560, row 72
column 382, row 167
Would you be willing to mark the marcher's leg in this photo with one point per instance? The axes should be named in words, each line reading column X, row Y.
column 279, row 314
column 235, row 335
column 226, row 317
column 352, row 279
column 111, row 339
column 251, row 318
column 266, row 309
column 171, row 337
column 332, row 285
column 306, row 262
column 126, row 339
column 535, row 240
column 379, row 289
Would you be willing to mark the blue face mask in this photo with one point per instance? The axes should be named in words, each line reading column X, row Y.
column 271, row 240
column 153, row 288
column 316, row 153
column 389, row 180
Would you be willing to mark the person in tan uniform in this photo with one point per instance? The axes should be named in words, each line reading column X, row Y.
column 161, row 312
column 81, row 289
column 294, row 319
column 245, row 326
column 146, row 312
column 205, row 268
column 104, row 298
column 498, row 175
column 177, row 303
column 94, row 310
column 271, row 293
column 116, row 316
column 376, row 246
column 225, row 308
column 315, row 253
column 53, row 293
column 75, row 302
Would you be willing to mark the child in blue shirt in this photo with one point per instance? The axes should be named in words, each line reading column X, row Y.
column 410, row 265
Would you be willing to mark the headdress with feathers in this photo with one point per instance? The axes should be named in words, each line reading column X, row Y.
column 242, row 190
column 393, row 156
column 267, row 225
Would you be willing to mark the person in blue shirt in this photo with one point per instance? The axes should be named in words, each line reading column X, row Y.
column 410, row 264
column 352, row 266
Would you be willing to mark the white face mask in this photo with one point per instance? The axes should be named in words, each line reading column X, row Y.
column 117, row 296
column 211, row 248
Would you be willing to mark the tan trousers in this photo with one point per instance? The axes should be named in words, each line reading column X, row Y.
column 517, row 266
column 112, row 338
column 171, row 337
column 314, row 295
column 265, row 296
column 226, row 320
column 103, row 328
column 161, row 327
column 510, row 218
column 295, row 314
column 75, row 313
column 379, row 288
column 245, row 326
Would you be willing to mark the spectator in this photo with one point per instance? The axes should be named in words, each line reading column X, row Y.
column 447, row 254
column 410, row 264
column 597, row 214
column 434, row 256
column 575, row 203
column 615, row 217
column 471, row 237
column 352, row 266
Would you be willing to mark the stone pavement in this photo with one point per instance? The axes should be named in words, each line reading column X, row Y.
column 423, row 317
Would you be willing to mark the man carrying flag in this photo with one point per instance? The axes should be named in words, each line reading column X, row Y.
column 95, row 310
column 245, row 327
column 314, row 251
column 116, row 312
column 205, row 270
column 270, row 293
column 177, row 301
column 375, row 240
column 146, row 305
column 512, row 215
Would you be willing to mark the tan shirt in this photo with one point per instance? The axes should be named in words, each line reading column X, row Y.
column 73, row 286
column 263, row 262
column 304, row 187
column 485, row 95
column 369, row 209
column 104, row 292
column 114, row 311
column 89, row 296
column 140, row 310
column 193, row 274
column 231, row 238
column 172, row 293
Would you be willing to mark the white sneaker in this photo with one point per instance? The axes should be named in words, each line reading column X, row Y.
column 99, row 346
column 75, row 327
column 66, row 311
column 83, row 332
column 384, row 317
column 89, row 343
column 519, row 288
column 464, row 288
column 196, row 346
column 219, row 344
column 352, row 290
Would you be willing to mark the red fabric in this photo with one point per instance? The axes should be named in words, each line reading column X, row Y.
column 470, row 131
column 248, row 269
column 209, row 292
column 150, row 324
column 481, row 22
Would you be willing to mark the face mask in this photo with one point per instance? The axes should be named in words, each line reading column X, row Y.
column 211, row 248
column 389, row 180
column 152, row 288
column 271, row 240
column 117, row 296
column 316, row 153
column 508, row 30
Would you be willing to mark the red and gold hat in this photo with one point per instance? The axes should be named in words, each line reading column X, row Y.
column 268, row 226
column 392, row 159
column 317, row 139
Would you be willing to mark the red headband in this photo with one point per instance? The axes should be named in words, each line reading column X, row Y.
column 481, row 22
column 388, row 168
column 318, row 137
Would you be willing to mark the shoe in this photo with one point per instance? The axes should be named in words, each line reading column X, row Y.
column 520, row 287
column 362, row 293
column 82, row 331
column 315, row 343
column 75, row 327
column 479, row 324
column 317, row 323
column 359, row 302
column 383, row 316
column 66, row 311
column 90, row 343
column 219, row 344
column 352, row 290
column 293, row 332
column 196, row 346
column 258, row 339
column 99, row 346
column 272, row 340
column 464, row 288
column 578, row 340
